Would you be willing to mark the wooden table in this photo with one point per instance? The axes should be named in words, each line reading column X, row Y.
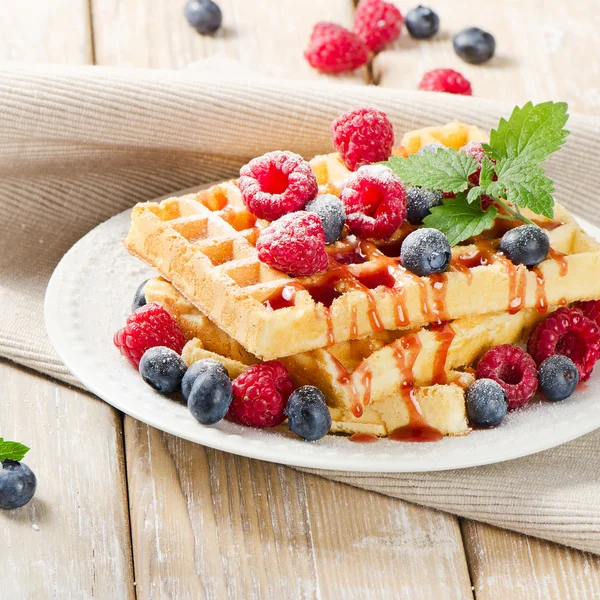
column 123, row 509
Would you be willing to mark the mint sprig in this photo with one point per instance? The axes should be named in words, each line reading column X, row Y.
column 12, row 450
column 511, row 172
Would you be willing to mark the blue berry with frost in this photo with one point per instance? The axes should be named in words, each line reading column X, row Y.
column 333, row 216
column 162, row 368
column 307, row 413
column 210, row 396
column 195, row 369
column 486, row 403
column 425, row 252
column 525, row 245
column 419, row 203
column 558, row 377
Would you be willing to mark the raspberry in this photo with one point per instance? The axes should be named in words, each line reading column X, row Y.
column 260, row 395
column 277, row 183
column 568, row 332
column 375, row 202
column 334, row 49
column 513, row 369
column 148, row 327
column 445, row 80
column 590, row 309
column 362, row 136
column 294, row 244
column 377, row 23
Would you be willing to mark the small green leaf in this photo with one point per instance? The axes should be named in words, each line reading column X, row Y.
column 532, row 132
column 446, row 169
column 12, row 450
column 460, row 220
column 474, row 194
column 487, row 172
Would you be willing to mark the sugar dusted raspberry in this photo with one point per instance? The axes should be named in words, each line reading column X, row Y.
column 445, row 80
column 148, row 327
column 375, row 202
column 513, row 369
column 334, row 49
column 277, row 183
column 294, row 244
column 567, row 331
column 377, row 23
column 590, row 309
column 362, row 136
column 260, row 395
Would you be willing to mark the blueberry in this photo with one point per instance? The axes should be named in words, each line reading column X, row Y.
column 420, row 202
column 425, row 251
column 17, row 484
column 195, row 369
column 431, row 148
column 162, row 368
column 139, row 299
column 486, row 403
column 307, row 413
column 210, row 396
column 558, row 377
column 525, row 245
column 474, row 45
column 422, row 23
column 333, row 216
column 203, row 15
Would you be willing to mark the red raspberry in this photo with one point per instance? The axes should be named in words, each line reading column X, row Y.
column 334, row 49
column 569, row 332
column 590, row 309
column 294, row 244
column 445, row 80
column 377, row 23
column 277, row 183
column 375, row 202
column 475, row 149
column 362, row 136
column 513, row 369
column 260, row 395
column 149, row 326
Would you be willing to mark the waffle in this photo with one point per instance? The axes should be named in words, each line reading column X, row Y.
column 368, row 383
column 204, row 244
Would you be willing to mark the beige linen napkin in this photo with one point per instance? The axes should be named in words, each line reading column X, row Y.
column 79, row 144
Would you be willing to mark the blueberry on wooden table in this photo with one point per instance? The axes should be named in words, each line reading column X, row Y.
column 474, row 45
column 17, row 484
column 203, row 15
column 422, row 23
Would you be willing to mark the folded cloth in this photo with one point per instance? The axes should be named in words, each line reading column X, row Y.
column 79, row 144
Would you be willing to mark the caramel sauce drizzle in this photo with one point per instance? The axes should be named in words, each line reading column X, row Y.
column 560, row 258
column 444, row 336
column 541, row 302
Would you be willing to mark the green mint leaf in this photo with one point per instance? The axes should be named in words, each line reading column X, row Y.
column 446, row 169
column 12, row 450
column 532, row 132
column 487, row 172
column 525, row 185
column 460, row 220
column 474, row 194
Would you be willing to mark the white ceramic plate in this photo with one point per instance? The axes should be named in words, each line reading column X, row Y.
column 89, row 297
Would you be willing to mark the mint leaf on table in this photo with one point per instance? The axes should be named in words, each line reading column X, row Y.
column 532, row 132
column 12, row 450
column 459, row 220
column 446, row 169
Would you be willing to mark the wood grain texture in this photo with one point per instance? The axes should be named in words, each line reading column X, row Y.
column 544, row 51
column 267, row 37
column 210, row 524
column 72, row 540
column 46, row 31
column 508, row 565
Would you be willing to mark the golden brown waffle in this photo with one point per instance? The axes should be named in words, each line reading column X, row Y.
column 368, row 382
column 204, row 244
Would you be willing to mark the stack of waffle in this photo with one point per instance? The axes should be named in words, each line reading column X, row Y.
column 392, row 352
